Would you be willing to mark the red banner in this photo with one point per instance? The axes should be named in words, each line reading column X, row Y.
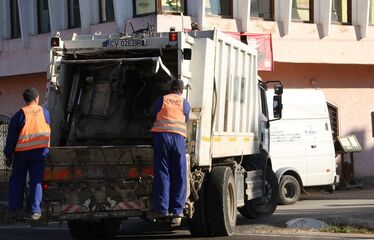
column 264, row 47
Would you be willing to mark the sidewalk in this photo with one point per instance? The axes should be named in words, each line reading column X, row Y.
column 353, row 207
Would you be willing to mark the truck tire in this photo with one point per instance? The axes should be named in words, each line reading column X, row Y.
column 79, row 229
column 265, row 206
column 289, row 190
column 198, row 224
column 104, row 228
column 222, row 201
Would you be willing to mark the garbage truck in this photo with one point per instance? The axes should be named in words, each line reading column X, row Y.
column 100, row 93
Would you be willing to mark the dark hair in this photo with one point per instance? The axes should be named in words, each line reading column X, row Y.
column 177, row 85
column 30, row 94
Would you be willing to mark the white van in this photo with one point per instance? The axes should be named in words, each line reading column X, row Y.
column 302, row 149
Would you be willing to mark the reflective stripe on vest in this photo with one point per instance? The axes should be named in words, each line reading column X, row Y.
column 36, row 132
column 171, row 117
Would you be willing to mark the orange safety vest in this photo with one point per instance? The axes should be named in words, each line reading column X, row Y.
column 171, row 117
column 36, row 132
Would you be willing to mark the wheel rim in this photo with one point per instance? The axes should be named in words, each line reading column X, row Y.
column 230, row 202
column 289, row 190
column 268, row 192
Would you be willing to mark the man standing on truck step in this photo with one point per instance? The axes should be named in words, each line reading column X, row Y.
column 169, row 147
column 26, row 149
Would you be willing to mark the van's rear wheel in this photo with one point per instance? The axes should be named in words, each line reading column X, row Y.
column 289, row 190
column 266, row 205
column 222, row 201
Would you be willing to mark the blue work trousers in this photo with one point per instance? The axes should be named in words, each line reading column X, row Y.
column 32, row 162
column 169, row 172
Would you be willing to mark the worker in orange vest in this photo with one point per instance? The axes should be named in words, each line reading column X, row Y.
column 169, row 146
column 26, row 149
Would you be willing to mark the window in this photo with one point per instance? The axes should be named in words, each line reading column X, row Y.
column 302, row 10
column 106, row 11
column 341, row 11
column 74, row 14
column 15, row 29
column 144, row 7
column 43, row 17
column 371, row 13
column 334, row 120
column 4, row 170
column 219, row 7
column 263, row 103
column 262, row 9
column 172, row 6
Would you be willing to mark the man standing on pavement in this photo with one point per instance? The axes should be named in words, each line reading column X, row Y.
column 169, row 158
column 26, row 149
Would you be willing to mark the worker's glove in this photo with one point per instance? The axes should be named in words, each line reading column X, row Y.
column 8, row 162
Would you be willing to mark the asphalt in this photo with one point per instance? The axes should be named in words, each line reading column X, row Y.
column 352, row 206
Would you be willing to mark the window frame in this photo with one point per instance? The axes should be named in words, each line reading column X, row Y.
column 231, row 11
column 134, row 4
column 160, row 11
column 271, row 11
column 15, row 26
column 311, row 14
column 101, row 12
column 371, row 13
column 349, row 14
column 38, row 2
column 70, row 26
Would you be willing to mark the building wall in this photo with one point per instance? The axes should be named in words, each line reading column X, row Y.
column 333, row 57
column 12, row 87
column 350, row 88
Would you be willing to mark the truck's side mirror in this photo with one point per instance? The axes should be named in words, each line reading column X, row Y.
column 277, row 106
column 187, row 53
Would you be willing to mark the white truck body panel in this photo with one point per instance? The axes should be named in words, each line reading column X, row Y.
column 302, row 139
column 226, row 71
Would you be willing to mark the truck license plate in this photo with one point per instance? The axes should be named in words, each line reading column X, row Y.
column 125, row 43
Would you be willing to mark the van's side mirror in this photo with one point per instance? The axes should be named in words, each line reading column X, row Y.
column 277, row 106
column 278, row 89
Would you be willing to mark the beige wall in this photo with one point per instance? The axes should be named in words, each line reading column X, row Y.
column 11, row 89
column 350, row 88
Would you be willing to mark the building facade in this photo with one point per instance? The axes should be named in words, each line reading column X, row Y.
column 325, row 44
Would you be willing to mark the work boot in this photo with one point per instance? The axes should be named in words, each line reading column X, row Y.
column 154, row 215
column 176, row 221
column 36, row 216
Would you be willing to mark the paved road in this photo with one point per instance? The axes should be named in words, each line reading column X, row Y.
column 353, row 207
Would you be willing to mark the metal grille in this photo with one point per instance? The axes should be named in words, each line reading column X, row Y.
column 4, row 170
column 334, row 120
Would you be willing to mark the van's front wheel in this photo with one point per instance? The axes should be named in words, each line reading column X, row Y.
column 289, row 190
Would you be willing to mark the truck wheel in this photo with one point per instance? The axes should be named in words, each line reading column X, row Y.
column 104, row 228
column 289, row 190
column 79, row 229
column 265, row 206
column 222, row 201
column 198, row 224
